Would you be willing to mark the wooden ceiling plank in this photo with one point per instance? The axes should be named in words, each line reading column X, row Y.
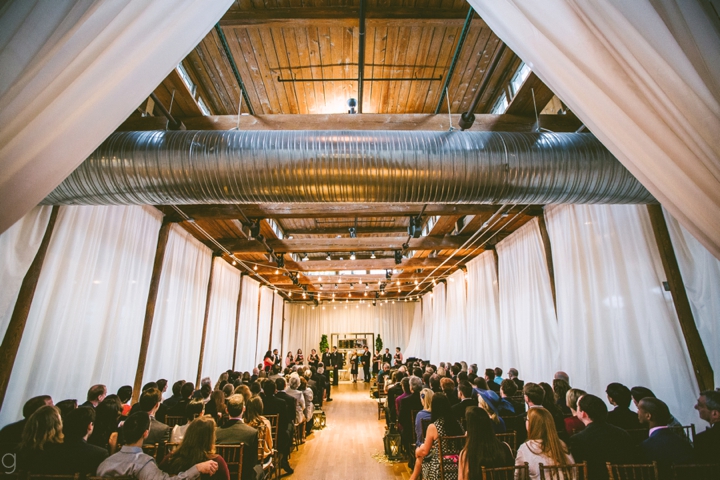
column 252, row 59
column 469, row 80
column 387, row 70
column 314, row 61
column 344, row 231
column 450, row 39
column 293, row 61
column 272, row 63
column 523, row 104
column 432, row 58
column 364, row 244
column 422, row 69
column 238, row 43
column 445, row 225
column 303, row 51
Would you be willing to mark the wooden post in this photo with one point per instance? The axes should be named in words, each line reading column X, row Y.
column 205, row 318
column 548, row 256
column 257, row 327
column 150, row 307
column 272, row 318
column 237, row 320
column 698, row 356
column 16, row 327
column 282, row 326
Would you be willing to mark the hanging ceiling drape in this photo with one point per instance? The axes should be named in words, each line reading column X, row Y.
column 71, row 71
column 617, row 324
column 174, row 348
column 267, row 300
column 440, row 335
column 18, row 247
column 219, row 341
column 455, row 346
column 277, row 323
column 247, row 328
column 701, row 276
column 483, row 313
column 417, row 345
column 528, row 326
column 644, row 76
column 85, row 323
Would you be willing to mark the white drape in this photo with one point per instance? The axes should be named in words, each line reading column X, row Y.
column 71, row 71
column 644, row 76
column 701, row 276
column 417, row 344
column 85, row 323
column 277, row 323
column 247, row 329
column 528, row 327
column 440, row 335
column 456, row 344
column 305, row 326
column 219, row 342
column 174, row 348
column 267, row 301
column 18, row 247
column 483, row 314
column 617, row 324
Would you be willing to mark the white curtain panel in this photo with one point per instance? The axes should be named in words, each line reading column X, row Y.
column 219, row 342
column 417, row 346
column 440, row 334
column 98, row 60
column 483, row 311
column 85, row 323
column 617, row 324
column 18, row 247
column 701, row 276
column 267, row 304
column 247, row 329
column 174, row 349
column 644, row 76
column 455, row 347
column 305, row 326
column 277, row 323
column 529, row 331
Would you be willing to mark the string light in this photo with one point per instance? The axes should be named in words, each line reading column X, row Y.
column 255, row 268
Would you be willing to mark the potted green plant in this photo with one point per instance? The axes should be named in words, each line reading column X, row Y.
column 378, row 344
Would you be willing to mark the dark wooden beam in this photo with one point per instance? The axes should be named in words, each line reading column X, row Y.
column 365, row 244
column 698, row 355
column 205, row 320
column 237, row 320
column 344, row 231
column 18, row 319
column 378, row 264
column 150, row 306
column 548, row 256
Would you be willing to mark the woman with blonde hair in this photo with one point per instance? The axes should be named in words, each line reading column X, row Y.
column 497, row 422
column 254, row 418
column 40, row 439
column 197, row 446
column 245, row 391
column 426, row 396
column 543, row 444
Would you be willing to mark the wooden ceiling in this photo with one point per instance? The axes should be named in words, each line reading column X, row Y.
column 299, row 62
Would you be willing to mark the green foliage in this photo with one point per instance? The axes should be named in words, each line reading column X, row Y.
column 324, row 345
column 378, row 344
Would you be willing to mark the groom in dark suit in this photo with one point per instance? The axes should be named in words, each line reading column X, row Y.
column 366, row 358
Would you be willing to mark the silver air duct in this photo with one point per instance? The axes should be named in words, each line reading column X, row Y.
column 197, row 167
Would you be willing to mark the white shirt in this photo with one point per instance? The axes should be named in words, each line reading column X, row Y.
column 525, row 454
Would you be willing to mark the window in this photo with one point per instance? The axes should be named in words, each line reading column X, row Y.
column 203, row 107
column 501, row 104
column 519, row 78
column 186, row 79
column 274, row 225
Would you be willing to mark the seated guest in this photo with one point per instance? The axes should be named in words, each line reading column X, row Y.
column 448, row 388
column 215, row 408
column 482, row 448
column 498, row 375
column 272, row 405
column 465, row 394
column 75, row 455
column 253, row 418
column 66, row 406
column 621, row 416
column 309, row 405
column 292, row 389
column 95, row 395
column 533, row 394
column 193, row 410
column 426, row 398
column 405, row 384
column 235, row 432
column 662, row 445
column 407, row 405
column 507, row 405
column 485, row 403
column 124, row 393
column 490, row 380
column 107, row 419
column 562, row 376
column 707, row 443
column 176, row 395
column 638, row 393
column 161, row 412
column 11, row 434
column 41, row 437
column 149, row 403
column 243, row 390
column 197, row 446
column 186, row 392
column 599, row 442
column 560, row 388
column 543, row 444
column 573, row 424
column 130, row 461
column 552, row 407
column 513, row 375
column 393, row 391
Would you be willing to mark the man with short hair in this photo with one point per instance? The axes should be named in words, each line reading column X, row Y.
column 490, row 380
column 149, row 403
column 621, row 416
column 562, row 376
column 365, row 359
column 176, row 395
column 12, row 433
column 272, row 405
column 533, row 394
column 465, row 394
column 508, row 406
column 276, row 357
column 75, row 455
column 95, row 395
column 407, row 405
column 707, row 443
column 513, row 375
column 599, row 442
column 235, row 432
column 387, row 357
column 186, row 393
column 130, row 461
column 338, row 361
column 662, row 445
column 498, row 375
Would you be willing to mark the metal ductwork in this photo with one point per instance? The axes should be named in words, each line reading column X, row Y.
column 196, row 167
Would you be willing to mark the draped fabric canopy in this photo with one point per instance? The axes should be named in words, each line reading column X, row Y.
column 644, row 76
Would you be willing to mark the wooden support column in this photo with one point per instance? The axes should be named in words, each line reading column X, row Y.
column 150, row 307
column 698, row 356
column 237, row 320
column 205, row 318
column 16, row 327
column 257, row 325
column 272, row 320
column 282, row 326
column 548, row 256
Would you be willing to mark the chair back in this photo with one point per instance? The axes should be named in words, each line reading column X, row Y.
column 274, row 423
column 261, row 441
column 75, row 476
column 647, row 471
column 575, row 471
column 510, row 438
column 413, row 415
column 151, row 449
column 233, row 456
column 517, row 472
column 171, row 447
column 696, row 472
column 172, row 420
column 449, row 449
column 688, row 431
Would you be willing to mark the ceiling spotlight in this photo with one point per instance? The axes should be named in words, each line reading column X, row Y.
column 321, row 287
column 352, row 255
column 372, row 255
column 255, row 268
column 353, row 232
column 328, row 258
column 352, row 286
column 352, row 103
column 398, row 257
column 305, row 257
column 416, row 282
column 366, row 294
column 234, row 262
column 388, row 274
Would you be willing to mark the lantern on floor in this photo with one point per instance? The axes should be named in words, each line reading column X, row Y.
column 392, row 441
column 319, row 419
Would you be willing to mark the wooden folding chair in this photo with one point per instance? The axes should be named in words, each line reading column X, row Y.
column 269, row 467
column 172, row 420
column 233, row 456
column 696, row 472
column 575, row 471
column 413, row 414
column 151, row 449
column 688, row 431
column 449, row 449
column 274, row 426
column 518, row 472
column 381, row 403
column 171, row 447
column 510, row 438
column 647, row 471
column 516, row 423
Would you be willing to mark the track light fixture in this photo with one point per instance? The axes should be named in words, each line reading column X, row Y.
column 353, row 232
column 305, row 257
column 352, row 255
column 388, row 274
column 255, row 229
column 398, row 257
column 372, row 255
column 280, row 259
column 328, row 258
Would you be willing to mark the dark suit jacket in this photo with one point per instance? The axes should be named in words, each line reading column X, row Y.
column 387, row 358
column 707, row 445
column 159, row 433
column 667, row 447
column 327, row 359
column 12, row 433
column 407, row 405
column 600, row 443
column 338, row 360
column 393, row 392
column 623, row 418
column 365, row 357
column 459, row 408
column 77, row 456
column 178, row 410
column 519, row 383
column 272, row 405
column 290, row 404
column 235, row 432
column 493, row 386
column 160, row 415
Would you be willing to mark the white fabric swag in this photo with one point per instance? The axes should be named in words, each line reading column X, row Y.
column 644, row 76
column 267, row 304
column 483, row 314
column 18, row 247
column 174, row 348
column 220, row 339
column 247, row 329
column 86, row 320
column 71, row 71
column 417, row 344
column 277, row 324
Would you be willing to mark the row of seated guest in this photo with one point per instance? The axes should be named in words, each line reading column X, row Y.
column 587, row 430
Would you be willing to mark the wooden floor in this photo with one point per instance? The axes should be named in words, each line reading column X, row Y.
column 345, row 448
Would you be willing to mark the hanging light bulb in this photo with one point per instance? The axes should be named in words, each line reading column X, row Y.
column 349, row 294
column 398, row 282
column 328, row 258
column 289, row 294
column 352, row 255
column 277, row 272
column 372, row 255
column 366, row 294
column 255, row 268
column 234, row 262
column 367, row 286
column 434, row 282
column 416, row 282
column 333, row 294
column 319, row 279
column 302, row 307
column 304, row 295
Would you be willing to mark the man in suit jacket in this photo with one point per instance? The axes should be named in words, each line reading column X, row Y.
column 272, row 405
column 276, row 358
column 186, row 391
column 707, row 443
column 599, row 442
column 662, row 445
column 75, row 455
column 338, row 360
column 465, row 394
column 12, row 433
column 365, row 358
column 490, row 380
column 235, row 432
column 621, row 416
column 387, row 357
column 150, row 402
column 513, row 375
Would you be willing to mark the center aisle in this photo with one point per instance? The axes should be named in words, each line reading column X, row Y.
column 345, row 448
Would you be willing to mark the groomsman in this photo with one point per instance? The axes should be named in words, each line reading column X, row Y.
column 338, row 360
column 327, row 361
column 276, row 357
column 365, row 358
column 387, row 357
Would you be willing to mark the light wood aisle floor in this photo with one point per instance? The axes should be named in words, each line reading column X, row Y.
column 345, row 448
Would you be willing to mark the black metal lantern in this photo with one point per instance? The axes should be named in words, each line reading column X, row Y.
column 393, row 443
column 319, row 419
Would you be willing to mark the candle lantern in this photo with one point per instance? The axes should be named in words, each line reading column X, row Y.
column 393, row 442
